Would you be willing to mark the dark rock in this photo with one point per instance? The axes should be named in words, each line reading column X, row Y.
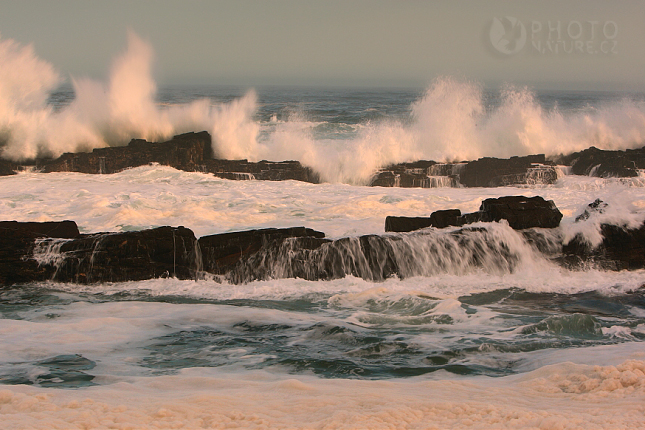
column 56, row 229
column 127, row 256
column 605, row 164
column 522, row 212
column 376, row 258
column 438, row 219
column 262, row 170
column 7, row 167
column 16, row 263
column 496, row 172
column 400, row 224
column 597, row 206
column 32, row 252
column 221, row 253
column 191, row 152
column 17, row 243
column 421, row 174
column 621, row 249
column 446, row 218
column 485, row 172
column 185, row 152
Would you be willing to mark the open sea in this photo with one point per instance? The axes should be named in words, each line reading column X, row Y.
column 528, row 346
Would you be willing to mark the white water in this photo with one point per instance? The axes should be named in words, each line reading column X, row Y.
column 450, row 122
column 562, row 396
column 157, row 195
column 599, row 387
column 560, row 388
column 577, row 387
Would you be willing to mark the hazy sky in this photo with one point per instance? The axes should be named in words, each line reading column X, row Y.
column 547, row 44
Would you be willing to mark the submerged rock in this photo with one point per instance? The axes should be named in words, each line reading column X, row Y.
column 595, row 207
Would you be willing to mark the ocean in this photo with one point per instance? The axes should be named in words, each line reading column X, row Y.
column 527, row 345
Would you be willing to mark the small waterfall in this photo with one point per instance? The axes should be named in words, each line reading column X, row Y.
column 594, row 170
column 47, row 251
column 540, row 174
column 494, row 249
column 242, row 176
column 563, row 171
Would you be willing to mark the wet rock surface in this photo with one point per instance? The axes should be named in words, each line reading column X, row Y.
column 438, row 219
column 55, row 229
column 520, row 212
column 605, row 164
column 191, row 152
column 36, row 252
column 222, row 253
column 124, row 256
column 7, row 168
column 185, row 152
column 622, row 248
column 484, row 172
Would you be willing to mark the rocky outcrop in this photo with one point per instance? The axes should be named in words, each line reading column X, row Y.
column 622, row 248
column 226, row 252
column 605, row 164
column 56, row 251
column 125, row 256
column 520, row 212
column 29, row 254
column 191, row 152
column 485, row 172
column 185, row 152
column 55, row 229
column 438, row 219
column 261, row 170
column 17, row 243
column 376, row 258
column 421, row 174
column 497, row 172
column 7, row 167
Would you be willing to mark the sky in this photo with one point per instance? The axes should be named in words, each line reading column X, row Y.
column 545, row 44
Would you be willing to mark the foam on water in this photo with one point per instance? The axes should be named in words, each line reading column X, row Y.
column 156, row 195
column 562, row 396
column 566, row 346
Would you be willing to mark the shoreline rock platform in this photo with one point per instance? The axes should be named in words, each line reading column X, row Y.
column 193, row 152
column 56, row 251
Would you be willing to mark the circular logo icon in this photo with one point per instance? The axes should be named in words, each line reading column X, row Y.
column 507, row 35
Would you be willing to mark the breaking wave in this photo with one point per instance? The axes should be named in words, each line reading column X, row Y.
column 451, row 121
